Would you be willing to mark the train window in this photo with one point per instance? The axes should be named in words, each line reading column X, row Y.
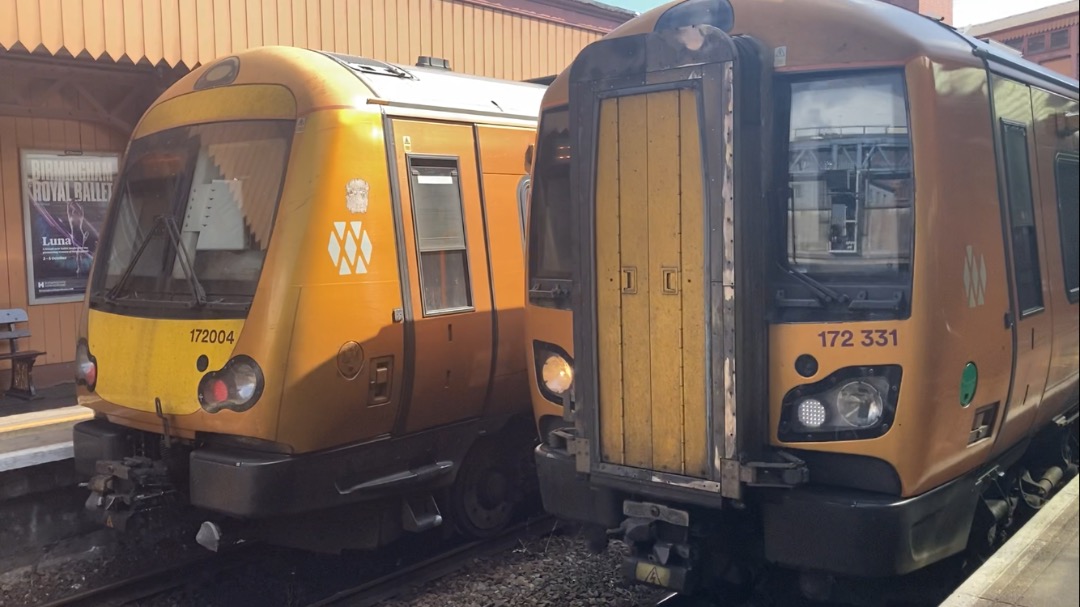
column 194, row 210
column 849, row 170
column 440, row 234
column 1067, row 176
column 552, row 238
column 1025, row 247
column 551, row 251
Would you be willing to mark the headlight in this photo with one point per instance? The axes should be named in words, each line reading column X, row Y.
column 85, row 365
column 811, row 413
column 237, row 386
column 852, row 403
column 554, row 372
column 557, row 374
column 859, row 404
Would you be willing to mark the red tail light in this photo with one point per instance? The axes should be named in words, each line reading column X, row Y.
column 85, row 365
column 237, row 386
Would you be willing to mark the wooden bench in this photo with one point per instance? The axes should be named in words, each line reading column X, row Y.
column 22, row 361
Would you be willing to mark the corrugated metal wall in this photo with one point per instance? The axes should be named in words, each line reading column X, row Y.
column 476, row 38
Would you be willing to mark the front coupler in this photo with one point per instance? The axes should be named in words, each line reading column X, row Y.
column 121, row 489
column 661, row 550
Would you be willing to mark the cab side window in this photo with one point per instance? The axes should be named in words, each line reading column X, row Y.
column 440, row 234
column 1022, row 218
column 1067, row 178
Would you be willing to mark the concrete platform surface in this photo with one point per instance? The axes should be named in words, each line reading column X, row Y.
column 38, row 437
column 1038, row 567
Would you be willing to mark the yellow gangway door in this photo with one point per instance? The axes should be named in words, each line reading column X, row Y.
column 651, row 283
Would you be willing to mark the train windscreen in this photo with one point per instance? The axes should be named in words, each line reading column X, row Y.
column 850, row 175
column 552, row 225
column 191, row 218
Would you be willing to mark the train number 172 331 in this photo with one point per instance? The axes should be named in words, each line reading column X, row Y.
column 210, row 336
column 867, row 338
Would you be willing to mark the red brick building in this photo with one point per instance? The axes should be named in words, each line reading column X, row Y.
column 1048, row 36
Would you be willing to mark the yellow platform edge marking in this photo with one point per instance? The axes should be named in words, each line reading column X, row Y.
column 28, row 421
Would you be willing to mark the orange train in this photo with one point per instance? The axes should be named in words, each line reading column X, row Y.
column 307, row 303
column 803, row 288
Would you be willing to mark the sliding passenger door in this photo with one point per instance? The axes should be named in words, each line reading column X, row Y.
column 1029, row 318
column 448, row 312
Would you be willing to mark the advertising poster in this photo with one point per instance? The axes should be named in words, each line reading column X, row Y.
column 65, row 197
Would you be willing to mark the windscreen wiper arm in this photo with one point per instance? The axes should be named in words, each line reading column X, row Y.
column 111, row 294
column 168, row 225
column 824, row 293
column 197, row 290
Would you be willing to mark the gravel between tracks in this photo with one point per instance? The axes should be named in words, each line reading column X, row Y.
column 81, row 563
column 556, row 570
column 545, row 572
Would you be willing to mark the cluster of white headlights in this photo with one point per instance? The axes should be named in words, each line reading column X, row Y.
column 859, row 403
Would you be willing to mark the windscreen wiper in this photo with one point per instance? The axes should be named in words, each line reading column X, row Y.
column 197, row 290
column 556, row 293
column 167, row 224
column 822, row 292
column 112, row 293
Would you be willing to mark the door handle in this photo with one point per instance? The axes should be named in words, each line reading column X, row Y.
column 628, row 280
column 670, row 278
column 379, row 383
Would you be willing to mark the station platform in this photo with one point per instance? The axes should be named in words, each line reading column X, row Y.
column 1037, row 567
column 39, row 431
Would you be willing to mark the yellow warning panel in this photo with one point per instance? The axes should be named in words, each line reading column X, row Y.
column 651, row 573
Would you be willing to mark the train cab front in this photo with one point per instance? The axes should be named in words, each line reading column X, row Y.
column 184, row 340
column 165, row 358
column 730, row 367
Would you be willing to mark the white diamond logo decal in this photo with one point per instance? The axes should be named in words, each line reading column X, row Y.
column 974, row 278
column 349, row 247
column 365, row 247
column 334, row 248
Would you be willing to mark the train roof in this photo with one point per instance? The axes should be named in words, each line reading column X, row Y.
column 836, row 34
column 435, row 88
column 318, row 80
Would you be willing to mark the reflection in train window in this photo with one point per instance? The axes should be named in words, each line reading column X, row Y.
column 440, row 234
column 849, row 169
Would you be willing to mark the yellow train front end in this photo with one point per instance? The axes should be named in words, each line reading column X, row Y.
column 773, row 319
column 241, row 313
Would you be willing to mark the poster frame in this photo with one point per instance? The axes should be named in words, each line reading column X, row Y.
column 27, row 214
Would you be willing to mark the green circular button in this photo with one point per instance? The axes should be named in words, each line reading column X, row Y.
column 969, row 380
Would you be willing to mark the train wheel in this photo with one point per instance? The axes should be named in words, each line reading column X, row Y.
column 486, row 491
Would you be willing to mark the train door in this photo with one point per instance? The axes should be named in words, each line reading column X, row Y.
column 1029, row 318
column 449, row 311
column 652, row 121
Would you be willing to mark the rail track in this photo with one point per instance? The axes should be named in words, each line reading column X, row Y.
column 157, row 581
column 432, row 568
column 207, row 571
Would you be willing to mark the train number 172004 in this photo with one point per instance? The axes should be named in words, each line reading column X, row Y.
column 211, row 336
column 867, row 338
